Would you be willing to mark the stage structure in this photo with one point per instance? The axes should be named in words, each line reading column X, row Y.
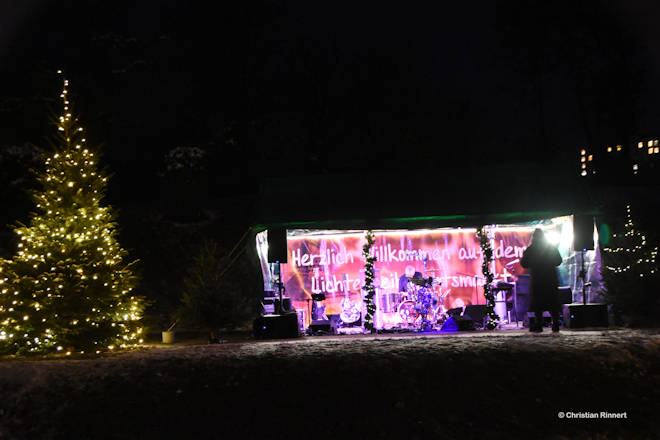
column 420, row 274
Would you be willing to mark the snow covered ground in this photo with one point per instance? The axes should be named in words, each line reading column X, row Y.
column 505, row 384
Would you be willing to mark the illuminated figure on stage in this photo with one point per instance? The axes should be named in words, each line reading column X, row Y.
column 405, row 278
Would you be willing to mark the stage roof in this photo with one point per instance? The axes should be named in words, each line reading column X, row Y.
column 456, row 197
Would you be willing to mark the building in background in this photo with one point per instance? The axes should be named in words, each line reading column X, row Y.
column 621, row 163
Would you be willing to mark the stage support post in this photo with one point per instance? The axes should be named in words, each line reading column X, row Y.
column 279, row 288
column 583, row 275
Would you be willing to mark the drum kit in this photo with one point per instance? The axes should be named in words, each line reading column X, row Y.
column 419, row 307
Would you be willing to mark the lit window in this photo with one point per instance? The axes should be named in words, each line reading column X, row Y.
column 583, row 159
column 609, row 149
column 656, row 150
column 591, row 157
column 584, row 165
column 655, row 143
column 618, row 148
column 650, row 150
column 640, row 145
column 583, row 152
column 584, row 173
column 635, row 167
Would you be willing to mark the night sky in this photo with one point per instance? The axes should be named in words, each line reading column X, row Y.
column 274, row 88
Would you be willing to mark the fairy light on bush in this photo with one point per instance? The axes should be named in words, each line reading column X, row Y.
column 487, row 251
column 369, row 259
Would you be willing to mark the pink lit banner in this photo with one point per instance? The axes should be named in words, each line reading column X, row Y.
column 331, row 263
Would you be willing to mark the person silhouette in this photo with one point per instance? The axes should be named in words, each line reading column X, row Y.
column 542, row 259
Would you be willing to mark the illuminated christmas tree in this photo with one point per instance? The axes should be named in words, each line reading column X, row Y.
column 630, row 272
column 69, row 287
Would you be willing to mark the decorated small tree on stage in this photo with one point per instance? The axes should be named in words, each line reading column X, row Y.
column 369, row 282
column 69, row 286
column 492, row 318
column 631, row 275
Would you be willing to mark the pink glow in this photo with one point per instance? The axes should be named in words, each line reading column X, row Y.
column 332, row 264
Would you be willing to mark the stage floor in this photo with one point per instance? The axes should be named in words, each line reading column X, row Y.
column 504, row 330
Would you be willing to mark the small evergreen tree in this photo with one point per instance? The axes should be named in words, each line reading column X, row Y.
column 69, row 286
column 214, row 298
column 630, row 273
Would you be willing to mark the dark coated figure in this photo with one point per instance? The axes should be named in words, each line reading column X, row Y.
column 542, row 259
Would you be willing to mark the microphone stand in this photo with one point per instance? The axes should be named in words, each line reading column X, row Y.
column 279, row 288
column 583, row 277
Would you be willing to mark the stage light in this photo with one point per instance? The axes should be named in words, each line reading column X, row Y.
column 552, row 237
column 566, row 237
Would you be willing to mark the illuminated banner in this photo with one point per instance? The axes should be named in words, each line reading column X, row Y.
column 331, row 263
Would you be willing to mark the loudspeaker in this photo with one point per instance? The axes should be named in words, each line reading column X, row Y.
column 565, row 295
column 583, row 232
column 277, row 250
column 271, row 305
column 455, row 311
column 276, row 326
column 475, row 312
column 321, row 326
column 464, row 323
column 585, row 315
column 457, row 323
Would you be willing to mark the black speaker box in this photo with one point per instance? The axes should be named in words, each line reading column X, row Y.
column 457, row 323
column 276, row 326
column 464, row 323
column 277, row 250
column 475, row 312
column 583, row 232
column 455, row 311
column 271, row 305
column 585, row 315
column 321, row 326
column 565, row 295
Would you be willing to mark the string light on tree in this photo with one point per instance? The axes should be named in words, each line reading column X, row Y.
column 630, row 252
column 69, row 287
column 630, row 274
